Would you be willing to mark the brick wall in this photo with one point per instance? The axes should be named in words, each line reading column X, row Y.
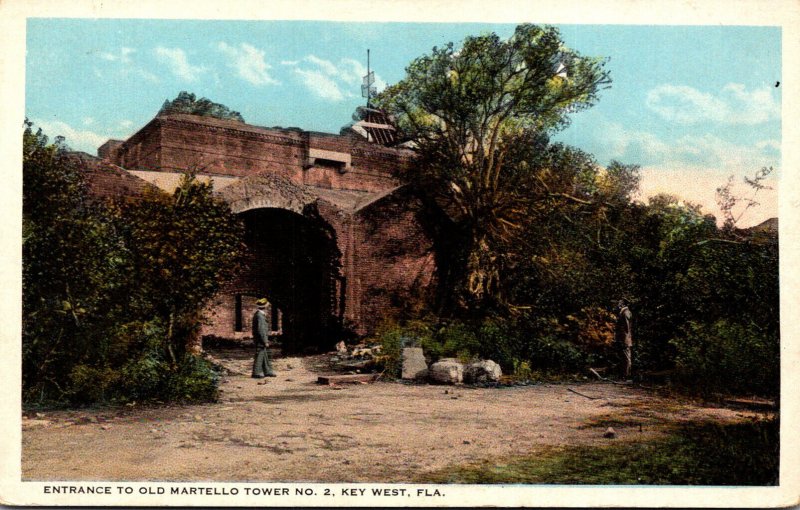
column 108, row 181
column 385, row 257
column 394, row 264
column 180, row 142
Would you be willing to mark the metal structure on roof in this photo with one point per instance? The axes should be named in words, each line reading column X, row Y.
column 372, row 123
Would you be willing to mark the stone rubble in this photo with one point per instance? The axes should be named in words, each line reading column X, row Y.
column 482, row 371
column 414, row 365
column 446, row 371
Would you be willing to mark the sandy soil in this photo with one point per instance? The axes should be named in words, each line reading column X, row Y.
column 291, row 429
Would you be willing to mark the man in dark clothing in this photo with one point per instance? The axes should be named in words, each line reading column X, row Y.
column 262, row 366
column 623, row 338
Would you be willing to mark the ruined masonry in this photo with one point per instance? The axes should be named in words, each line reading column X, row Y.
column 336, row 240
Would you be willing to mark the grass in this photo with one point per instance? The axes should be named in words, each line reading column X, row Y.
column 744, row 453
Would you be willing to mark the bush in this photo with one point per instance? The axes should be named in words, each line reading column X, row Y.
column 550, row 352
column 90, row 384
column 142, row 378
column 502, row 342
column 111, row 296
column 194, row 380
column 728, row 357
column 541, row 342
column 522, row 370
column 391, row 340
column 453, row 340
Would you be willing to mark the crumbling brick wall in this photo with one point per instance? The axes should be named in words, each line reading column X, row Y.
column 221, row 147
column 395, row 265
column 386, row 262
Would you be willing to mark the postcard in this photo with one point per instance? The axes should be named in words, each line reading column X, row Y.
column 400, row 254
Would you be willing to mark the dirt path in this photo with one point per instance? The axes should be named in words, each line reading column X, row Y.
column 291, row 429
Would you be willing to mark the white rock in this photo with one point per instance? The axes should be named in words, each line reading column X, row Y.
column 414, row 365
column 482, row 371
column 446, row 371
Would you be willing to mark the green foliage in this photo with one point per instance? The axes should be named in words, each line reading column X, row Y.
column 188, row 103
column 453, row 340
column 393, row 337
column 90, row 384
column 728, row 357
column 142, row 377
column 535, row 242
column 744, row 453
column 522, row 370
column 538, row 344
column 194, row 380
column 71, row 257
column 479, row 116
column 181, row 267
column 112, row 293
column 390, row 336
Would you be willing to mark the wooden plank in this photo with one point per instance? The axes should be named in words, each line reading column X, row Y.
column 345, row 379
column 755, row 404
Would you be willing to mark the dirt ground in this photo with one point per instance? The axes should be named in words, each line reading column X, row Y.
column 289, row 428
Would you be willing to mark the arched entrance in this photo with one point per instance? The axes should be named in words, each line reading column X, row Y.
column 292, row 259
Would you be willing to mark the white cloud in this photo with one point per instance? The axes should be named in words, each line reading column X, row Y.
column 122, row 64
column 325, row 66
column 123, row 55
column 320, row 85
column 77, row 139
column 632, row 145
column 734, row 104
column 635, row 146
column 352, row 71
column 769, row 145
column 329, row 80
column 177, row 61
column 141, row 73
column 711, row 150
column 249, row 63
column 692, row 167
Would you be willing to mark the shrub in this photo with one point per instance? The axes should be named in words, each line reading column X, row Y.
column 455, row 340
column 728, row 357
column 501, row 342
column 142, row 378
column 593, row 327
column 90, row 384
column 391, row 349
column 194, row 380
column 393, row 337
column 549, row 352
column 522, row 370
column 111, row 296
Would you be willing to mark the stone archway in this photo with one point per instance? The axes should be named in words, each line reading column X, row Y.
column 292, row 259
column 266, row 191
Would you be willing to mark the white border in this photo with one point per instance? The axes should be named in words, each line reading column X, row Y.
column 783, row 13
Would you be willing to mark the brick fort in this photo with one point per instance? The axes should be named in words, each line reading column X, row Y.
column 336, row 239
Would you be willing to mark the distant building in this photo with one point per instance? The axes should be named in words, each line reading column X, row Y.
column 336, row 239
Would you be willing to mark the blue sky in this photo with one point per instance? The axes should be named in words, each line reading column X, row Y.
column 691, row 104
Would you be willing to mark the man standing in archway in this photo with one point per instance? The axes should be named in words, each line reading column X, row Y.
column 262, row 366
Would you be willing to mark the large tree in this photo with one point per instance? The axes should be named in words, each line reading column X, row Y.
column 476, row 115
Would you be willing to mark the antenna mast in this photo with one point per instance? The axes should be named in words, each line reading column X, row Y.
column 368, row 89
